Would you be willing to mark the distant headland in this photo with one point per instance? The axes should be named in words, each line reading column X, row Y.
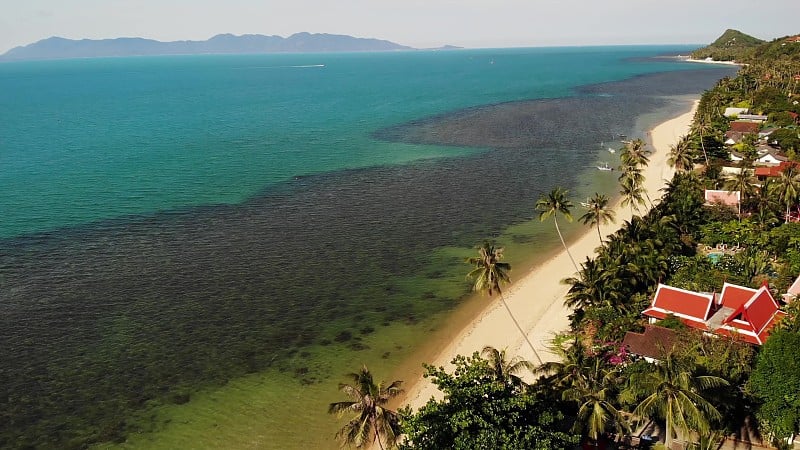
column 61, row 48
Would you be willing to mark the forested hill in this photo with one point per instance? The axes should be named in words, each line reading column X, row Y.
column 733, row 45
column 59, row 48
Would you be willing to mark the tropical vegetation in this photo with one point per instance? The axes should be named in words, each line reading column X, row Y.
column 703, row 389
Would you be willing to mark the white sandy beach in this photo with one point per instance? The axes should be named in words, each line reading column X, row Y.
column 537, row 298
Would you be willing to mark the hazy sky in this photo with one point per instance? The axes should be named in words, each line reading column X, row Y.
column 418, row 23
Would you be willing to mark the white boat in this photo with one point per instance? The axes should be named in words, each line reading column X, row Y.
column 604, row 167
column 611, row 150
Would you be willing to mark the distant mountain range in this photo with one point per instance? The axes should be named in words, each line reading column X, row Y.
column 60, row 48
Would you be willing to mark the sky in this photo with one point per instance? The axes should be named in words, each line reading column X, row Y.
column 417, row 23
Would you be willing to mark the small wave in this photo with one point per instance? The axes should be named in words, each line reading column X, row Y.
column 281, row 67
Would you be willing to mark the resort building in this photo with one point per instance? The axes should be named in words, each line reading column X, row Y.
column 652, row 345
column 727, row 198
column 745, row 127
column 740, row 312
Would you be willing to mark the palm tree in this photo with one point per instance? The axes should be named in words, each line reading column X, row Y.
column 489, row 273
column 596, row 410
column 598, row 213
column 631, row 194
column 594, row 285
column 506, row 371
column 787, row 188
column 740, row 181
column 373, row 419
column 671, row 392
column 551, row 205
column 681, row 156
column 632, row 175
column 703, row 126
column 586, row 380
column 635, row 154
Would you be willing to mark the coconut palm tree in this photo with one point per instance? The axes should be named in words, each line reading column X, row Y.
column 634, row 153
column 489, row 273
column 551, row 205
column 594, row 285
column 740, row 181
column 787, row 187
column 373, row 421
column 598, row 213
column 670, row 391
column 703, row 126
column 632, row 175
column 506, row 371
column 631, row 194
column 596, row 398
column 681, row 155
column 587, row 380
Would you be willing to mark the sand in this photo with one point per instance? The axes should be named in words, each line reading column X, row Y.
column 537, row 299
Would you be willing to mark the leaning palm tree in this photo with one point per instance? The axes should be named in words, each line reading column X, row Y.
column 598, row 213
column 373, row 421
column 673, row 393
column 488, row 274
column 506, row 371
column 551, row 205
column 681, row 155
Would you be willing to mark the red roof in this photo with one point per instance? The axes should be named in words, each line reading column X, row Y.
column 745, row 127
column 751, row 313
column 691, row 307
column 773, row 171
column 654, row 343
column 752, row 320
column 733, row 296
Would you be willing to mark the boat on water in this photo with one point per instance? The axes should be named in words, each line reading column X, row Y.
column 605, row 167
column 611, row 150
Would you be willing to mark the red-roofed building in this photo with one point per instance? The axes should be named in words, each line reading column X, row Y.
column 752, row 320
column 692, row 308
column 654, row 344
column 748, row 314
column 762, row 173
column 742, row 126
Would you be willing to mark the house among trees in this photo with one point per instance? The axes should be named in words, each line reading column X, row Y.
column 740, row 312
column 764, row 172
column 727, row 198
column 745, row 127
column 652, row 345
column 793, row 291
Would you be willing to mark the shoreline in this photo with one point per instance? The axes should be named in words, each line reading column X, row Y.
column 536, row 298
column 711, row 61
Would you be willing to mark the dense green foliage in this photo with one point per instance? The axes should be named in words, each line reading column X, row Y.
column 485, row 409
column 733, row 45
column 776, row 383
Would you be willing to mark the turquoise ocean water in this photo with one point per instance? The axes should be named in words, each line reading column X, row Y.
column 174, row 223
